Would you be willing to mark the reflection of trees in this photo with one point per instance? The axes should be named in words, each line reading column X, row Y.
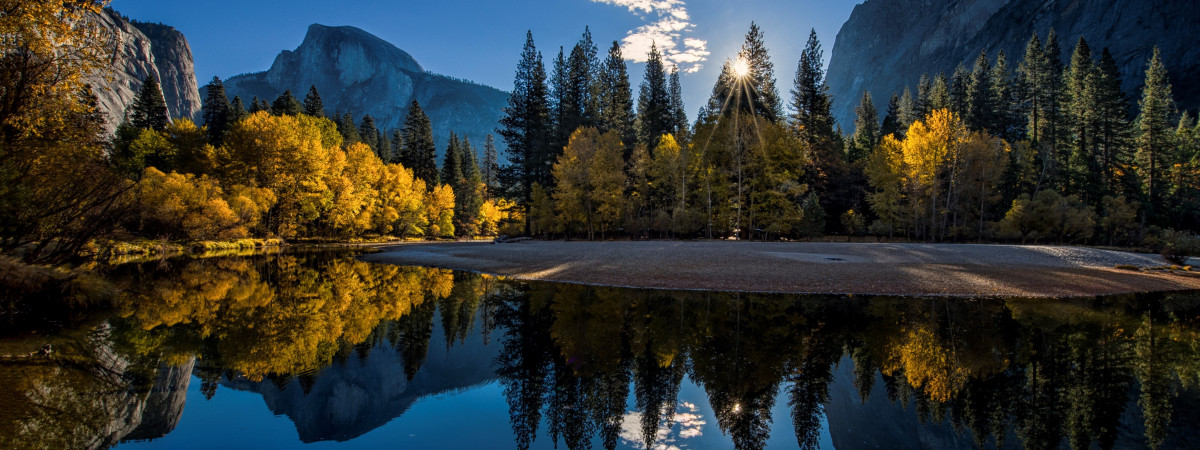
column 285, row 315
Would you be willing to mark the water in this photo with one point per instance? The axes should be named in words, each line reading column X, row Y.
column 321, row 350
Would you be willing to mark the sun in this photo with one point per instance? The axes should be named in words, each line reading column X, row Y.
column 741, row 68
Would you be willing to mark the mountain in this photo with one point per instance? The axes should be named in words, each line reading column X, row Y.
column 356, row 72
column 145, row 49
column 887, row 44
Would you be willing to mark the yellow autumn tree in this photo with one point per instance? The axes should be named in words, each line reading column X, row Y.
column 590, row 179
column 930, row 148
column 885, row 173
column 291, row 156
column 439, row 211
column 185, row 206
column 400, row 208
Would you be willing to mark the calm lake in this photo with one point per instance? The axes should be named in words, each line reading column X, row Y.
column 318, row 349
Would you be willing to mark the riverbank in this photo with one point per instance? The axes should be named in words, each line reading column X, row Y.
column 961, row 270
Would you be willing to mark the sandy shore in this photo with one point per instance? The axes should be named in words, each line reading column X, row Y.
column 834, row 268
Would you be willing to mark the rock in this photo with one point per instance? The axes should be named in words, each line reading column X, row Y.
column 145, row 49
column 359, row 73
column 887, row 44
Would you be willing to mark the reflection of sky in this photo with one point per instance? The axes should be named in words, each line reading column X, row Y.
column 476, row 418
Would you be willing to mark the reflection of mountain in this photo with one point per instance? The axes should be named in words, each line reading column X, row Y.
column 353, row 397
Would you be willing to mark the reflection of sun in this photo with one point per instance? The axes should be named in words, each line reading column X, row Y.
column 741, row 68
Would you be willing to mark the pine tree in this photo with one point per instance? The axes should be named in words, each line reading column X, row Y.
column 452, row 172
column 384, row 149
column 149, row 109
column 369, row 133
column 958, row 90
column 216, row 112
column 347, row 128
column 525, row 128
column 980, row 111
column 1078, row 122
column 579, row 77
column 255, row 105
column 1154, row 133
column 313, row 105
column 939, row 94
column 891, row 121
column 923, row 103
column 654, row 101
column 398, row 151
column 1113, row 133
column 237, row 111
column 764, row 96
column 810, row 96
column 908, row 111
column 287, row 105
column 616, row 99
column 467, row 196
column 866, row 129
column 1002, row 99
column 420, row 153
column 490, row 170
column 680, row 122
column 560, row 102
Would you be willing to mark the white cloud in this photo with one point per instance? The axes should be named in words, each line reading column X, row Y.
column 666, row 29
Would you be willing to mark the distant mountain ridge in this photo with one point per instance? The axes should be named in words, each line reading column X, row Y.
column 359, row 73
column 887, row 44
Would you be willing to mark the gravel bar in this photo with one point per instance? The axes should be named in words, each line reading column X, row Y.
column 960, row 270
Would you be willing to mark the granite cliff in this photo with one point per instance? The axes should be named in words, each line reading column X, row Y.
column 887, row 44
column 144, row 49
column 359, row 73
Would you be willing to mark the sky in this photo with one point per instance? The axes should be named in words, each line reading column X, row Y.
column 481, row 40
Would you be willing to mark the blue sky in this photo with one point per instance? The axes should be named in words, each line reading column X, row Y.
column 481, row 41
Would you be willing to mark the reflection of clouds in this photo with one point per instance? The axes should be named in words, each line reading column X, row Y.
column 688, row 423
column 670, row 23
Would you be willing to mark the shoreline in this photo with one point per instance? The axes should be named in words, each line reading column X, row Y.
column 943, row 270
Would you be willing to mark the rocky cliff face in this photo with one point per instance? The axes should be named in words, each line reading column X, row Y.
column 887, row 44
column 145, row 49
column 359, row 73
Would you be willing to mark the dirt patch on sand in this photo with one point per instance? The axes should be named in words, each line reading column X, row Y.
column 829, row 268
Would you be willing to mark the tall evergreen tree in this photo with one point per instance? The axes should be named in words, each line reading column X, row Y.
column 958, row 90
column 237, row 111
column 313, row 105
column 1079, row 95
column 654, row 101
column 384, row 149
column 980, row 109
column 1113, row 133
column 1154, row 146
column 420, row 153
column 866, row 129
column 1002, row 99
column 810, row 96
column 616, row 99
column 561, row 103
column 467, row 196
column 891, row 121
column 908, row 110
column 347, row 128
column 369, row 133
column 923, row 103
column 216, row 112
column 149, row 109
column 490, row 169
column 591, row 108
column 452, row 172
column 398, row 151
column 939, row 94
column 287, row 105
column 255, row 104
column 525, row 128
column 680, row 122
column 764, row 96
